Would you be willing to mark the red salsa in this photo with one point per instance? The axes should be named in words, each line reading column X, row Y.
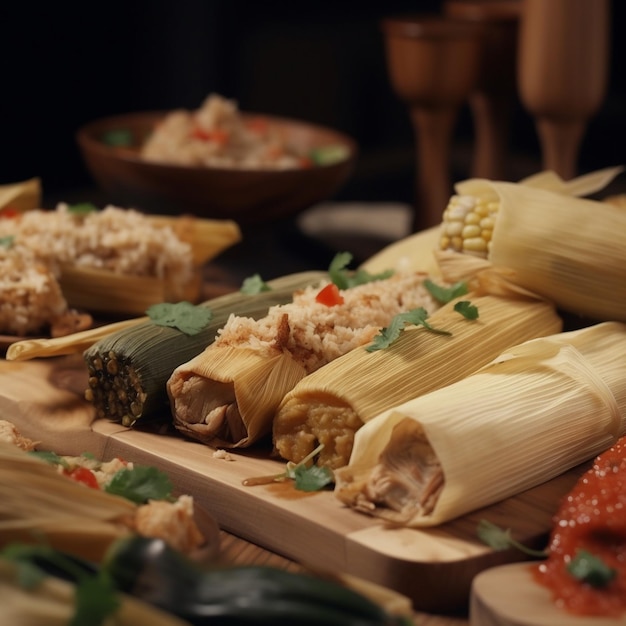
column 591, row 521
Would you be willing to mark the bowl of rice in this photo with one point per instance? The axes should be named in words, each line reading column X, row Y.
column 216, row 161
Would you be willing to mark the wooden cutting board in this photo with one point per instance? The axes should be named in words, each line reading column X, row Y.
column 433, row 567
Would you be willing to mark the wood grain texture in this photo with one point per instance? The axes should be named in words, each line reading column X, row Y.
column 434, row 567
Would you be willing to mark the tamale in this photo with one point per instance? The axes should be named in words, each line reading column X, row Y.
column 128, row 369
column 22, row 196
column 36, row 501
column 532, row 413
column 330, row 405
column 566, row 248
column 227, row 395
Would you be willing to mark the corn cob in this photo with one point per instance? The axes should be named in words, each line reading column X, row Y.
column 562, row 247
column 128, row 370
column 471, row 215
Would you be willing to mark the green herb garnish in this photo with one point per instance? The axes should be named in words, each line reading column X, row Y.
column 7, row 242
column 95, row 597
column 345, row 279
column 50, row 457
column 590, row 569
column 254, row 284
column 141, row 484
column 82, row 208
column 186, row 317
column 329, row 155
column 391, row 333
column 466, row 309
column 119, row 137
column 445, row 294
column 306, row 477
column 499, row 539
column 312, row 478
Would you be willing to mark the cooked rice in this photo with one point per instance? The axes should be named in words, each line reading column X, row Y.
column 123, row 241
column 30, row 296
column 318, row 333
column 216, row 135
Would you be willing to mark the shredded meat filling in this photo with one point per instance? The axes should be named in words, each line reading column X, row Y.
column 406, row 482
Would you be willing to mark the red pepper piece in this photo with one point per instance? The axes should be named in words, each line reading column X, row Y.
column 83, row 475
column 330, row 295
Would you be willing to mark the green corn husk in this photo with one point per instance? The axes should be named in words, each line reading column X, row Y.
column 128, row 370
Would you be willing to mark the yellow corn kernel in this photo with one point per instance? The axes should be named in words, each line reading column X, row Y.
column 468, row 224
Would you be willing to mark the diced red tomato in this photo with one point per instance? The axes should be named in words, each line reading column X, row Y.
column 257, row 125
column 9, row 211
column 330, row 295
column 83, row 475
column 216, row 136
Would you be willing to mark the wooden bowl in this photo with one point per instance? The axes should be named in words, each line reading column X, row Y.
column 245, row 195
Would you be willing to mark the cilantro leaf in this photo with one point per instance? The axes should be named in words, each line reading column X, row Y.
column 50, row 457
column 96, row 599
column 311, row 478
column 82, row 208
column 345, row 279
column 140, row 484
column 466, row 309
column 95, row 596
column 118, row 137
column 328, row 155
column 186, row 317
column 590, row 569
column 445, row 294
column 254, row 284
column 498, row 539
column 7, row 242
column 391, row 333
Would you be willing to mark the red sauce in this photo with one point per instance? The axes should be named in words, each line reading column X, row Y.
column 593, row 518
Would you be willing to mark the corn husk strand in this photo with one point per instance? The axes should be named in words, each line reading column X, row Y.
column 329, row 406
column 534, row 412
column 227, row 396
column 128, row 370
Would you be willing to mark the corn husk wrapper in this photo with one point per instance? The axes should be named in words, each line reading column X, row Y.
column 331, row 404
column 36, row 502
column 27, row 349
column 534, row 412
column 568, row 249
column 110, row 292
column 21, row 196
column 242, row 385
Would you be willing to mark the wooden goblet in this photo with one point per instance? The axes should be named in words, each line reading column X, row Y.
column 495, row 93
column 432, row 63
column 562, row 73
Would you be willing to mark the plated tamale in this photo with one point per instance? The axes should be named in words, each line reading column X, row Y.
column 532, row 413
column 227, row 395
column 330, row 405
column 128, row 369
column 544, row 238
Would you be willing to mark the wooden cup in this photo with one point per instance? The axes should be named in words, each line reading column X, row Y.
column 563, row 73
column 432, row 63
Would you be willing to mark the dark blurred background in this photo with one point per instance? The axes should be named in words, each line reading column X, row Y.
column 66, row 64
